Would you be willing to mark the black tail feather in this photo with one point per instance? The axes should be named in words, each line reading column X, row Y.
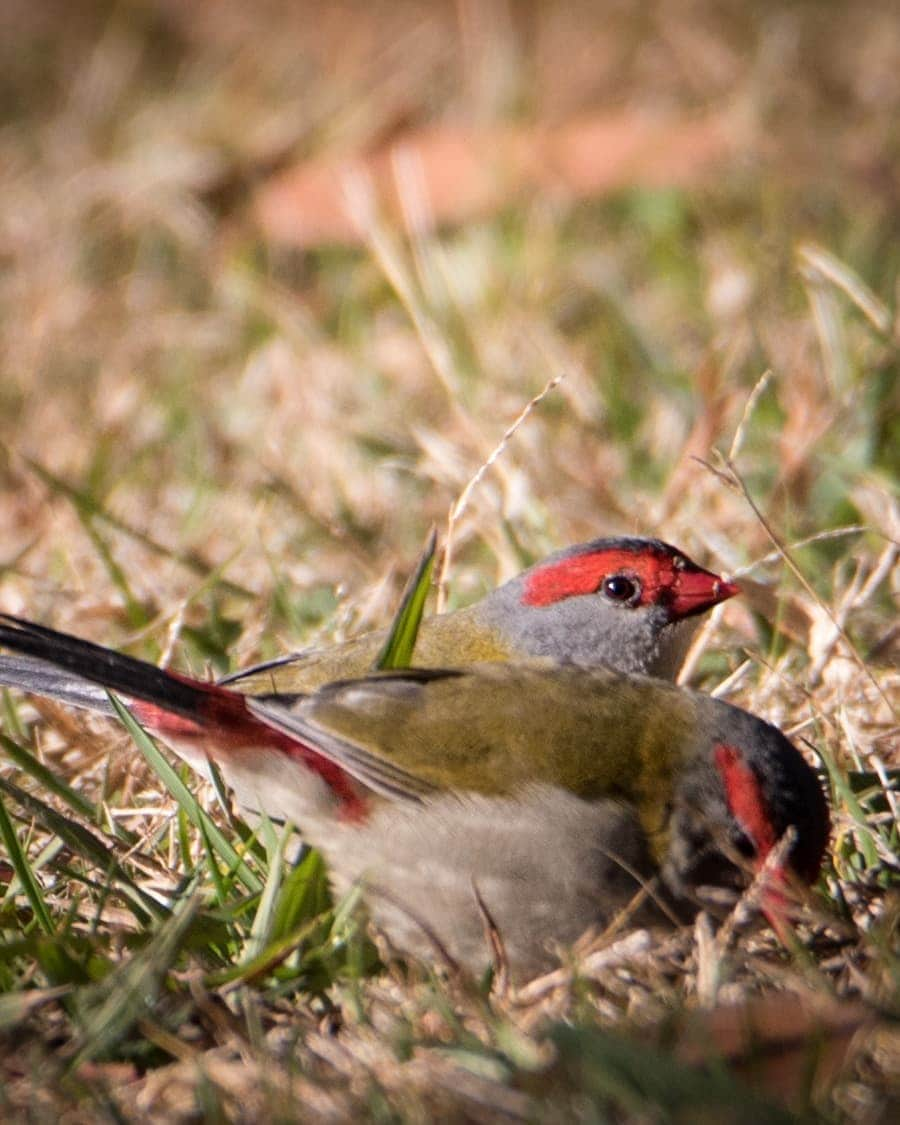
column 37, row 677
column 112, row 670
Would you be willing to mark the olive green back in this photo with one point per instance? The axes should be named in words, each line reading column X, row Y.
column 592, row 731
column 443, row 640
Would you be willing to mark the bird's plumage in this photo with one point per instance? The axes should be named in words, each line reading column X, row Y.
column 545, row 865
column 630, row 602
column 512, row 773
column 560, row 608
column 532, row 784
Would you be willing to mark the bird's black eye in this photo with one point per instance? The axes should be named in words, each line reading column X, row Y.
column 619, row 588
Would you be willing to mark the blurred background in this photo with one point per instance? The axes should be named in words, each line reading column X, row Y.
column 277, row 278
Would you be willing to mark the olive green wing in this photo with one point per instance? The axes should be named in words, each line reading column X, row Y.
column 376, row 772
column 495, row 727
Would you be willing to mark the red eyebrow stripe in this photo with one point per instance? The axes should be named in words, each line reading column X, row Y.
column 580, row 574
column 745, row 799
column 749, row 808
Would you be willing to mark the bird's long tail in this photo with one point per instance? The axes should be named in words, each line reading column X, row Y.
column 186, row 712
column 39, row 678
column 79, row 672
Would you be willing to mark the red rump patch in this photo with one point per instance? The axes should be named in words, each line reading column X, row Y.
column 745, row 799
column 224, row 725
column 583, row 574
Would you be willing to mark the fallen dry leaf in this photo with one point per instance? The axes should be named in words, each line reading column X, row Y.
column 785, row 1042
column 457, row 173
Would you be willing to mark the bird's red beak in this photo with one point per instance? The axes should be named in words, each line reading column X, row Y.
column 696, row 590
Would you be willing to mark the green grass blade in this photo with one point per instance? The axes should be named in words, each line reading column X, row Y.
column 212, row 863
column 129, row 992
column 305, row 893
column 865, row 834
column 138, row 617
column 398, row 648
column 87, row 503
column 47, row 779
column 11, row 716
column 82, row 842
column 86, row 508
column 269, row 957
column 185, row 798
column 261, row 930
column 23, row 870
column 46, row 857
